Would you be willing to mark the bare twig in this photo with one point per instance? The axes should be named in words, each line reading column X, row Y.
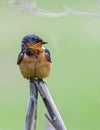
column 34, row 97
column 31, row 114
column 55, row 118
column 25, row 5
column 48, row 118
column 49, row 125
column 49, row 103
column 98, row 0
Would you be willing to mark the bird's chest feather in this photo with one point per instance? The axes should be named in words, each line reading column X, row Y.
column 35, row 66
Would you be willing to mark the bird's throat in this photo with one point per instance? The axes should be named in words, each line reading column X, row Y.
column 36, row 48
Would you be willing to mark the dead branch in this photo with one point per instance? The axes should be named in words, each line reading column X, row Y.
column 31, row 114
column 26, row 6
column 48, row 123
column 54, row 117
column 49, row 103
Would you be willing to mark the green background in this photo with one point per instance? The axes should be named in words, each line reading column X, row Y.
column 74, row 42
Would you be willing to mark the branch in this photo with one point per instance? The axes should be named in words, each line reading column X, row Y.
column 25, row 5
column 34, row 97
column 49, row 125
column 48, row 118
column 49, row 103
column 31, row 113
column 98, row 0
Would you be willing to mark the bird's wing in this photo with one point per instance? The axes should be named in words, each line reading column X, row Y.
column 20, row 57
column 47, row 54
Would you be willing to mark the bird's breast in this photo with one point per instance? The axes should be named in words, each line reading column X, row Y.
column 35, row 66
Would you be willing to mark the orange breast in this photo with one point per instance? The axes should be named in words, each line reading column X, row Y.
column 43, row 67
column 35, row 66
column 27, row 66
column 36, row 47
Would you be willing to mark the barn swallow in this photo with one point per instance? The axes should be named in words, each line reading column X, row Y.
column 34, row 60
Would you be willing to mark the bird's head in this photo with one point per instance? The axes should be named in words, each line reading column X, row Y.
column 32, row 41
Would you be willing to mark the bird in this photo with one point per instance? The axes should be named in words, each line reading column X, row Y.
column 34, row 60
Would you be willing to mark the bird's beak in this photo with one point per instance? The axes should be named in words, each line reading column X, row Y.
column 44, row 42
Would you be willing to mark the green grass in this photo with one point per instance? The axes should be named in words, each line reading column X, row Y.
column 74, row 84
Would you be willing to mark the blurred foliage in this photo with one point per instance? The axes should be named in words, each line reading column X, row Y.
column 74, row 84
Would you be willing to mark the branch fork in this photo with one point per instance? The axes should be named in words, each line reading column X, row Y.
column 54, row 117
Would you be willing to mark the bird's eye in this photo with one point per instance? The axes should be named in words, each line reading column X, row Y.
column 35, row 40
